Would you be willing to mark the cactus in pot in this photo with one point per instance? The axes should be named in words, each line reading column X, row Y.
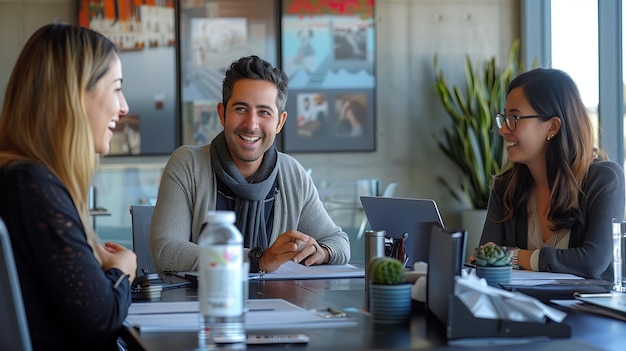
column 493, row 263
column 386, row 271
column 492, row 256
column 389, row 293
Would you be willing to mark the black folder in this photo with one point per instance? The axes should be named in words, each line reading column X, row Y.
column 447, row 248
column 446, row 257
column 462, row 324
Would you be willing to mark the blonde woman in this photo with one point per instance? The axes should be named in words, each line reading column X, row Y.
column 62, row 102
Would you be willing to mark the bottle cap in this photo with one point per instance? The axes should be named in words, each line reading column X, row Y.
column 221, row 216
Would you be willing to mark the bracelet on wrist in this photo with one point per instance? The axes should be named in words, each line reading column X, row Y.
column 515, row 260
column 120, row 279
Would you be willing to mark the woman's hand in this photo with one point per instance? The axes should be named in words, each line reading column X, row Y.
column 117, row 256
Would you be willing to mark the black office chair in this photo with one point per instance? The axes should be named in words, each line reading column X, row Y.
column 141, row 217
column 14, row 333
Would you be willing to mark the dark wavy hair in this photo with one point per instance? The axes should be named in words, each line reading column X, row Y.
column 254, row 67
column 570, row 152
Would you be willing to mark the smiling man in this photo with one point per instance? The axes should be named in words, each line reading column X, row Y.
column 278, row 209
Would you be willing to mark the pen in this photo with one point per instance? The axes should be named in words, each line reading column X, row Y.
column 400, row 249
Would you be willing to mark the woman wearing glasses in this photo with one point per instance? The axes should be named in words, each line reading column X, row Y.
column 555, row 199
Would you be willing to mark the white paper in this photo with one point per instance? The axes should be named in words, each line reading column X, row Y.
column 163, row 307
column 292, row 270
column 252, row 305
column 529, row 278
column 254, row 321
column 261, row 314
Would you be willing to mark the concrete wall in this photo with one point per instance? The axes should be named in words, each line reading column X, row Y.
column 409, row 115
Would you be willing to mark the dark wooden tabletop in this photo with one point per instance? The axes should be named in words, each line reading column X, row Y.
column 589, row 332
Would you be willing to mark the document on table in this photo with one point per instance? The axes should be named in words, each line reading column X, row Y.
column 529, row 278
column 547, row 286
column 291, row 271
column 261, row 314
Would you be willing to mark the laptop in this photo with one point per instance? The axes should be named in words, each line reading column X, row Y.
column 397, row 216
column 14, row 334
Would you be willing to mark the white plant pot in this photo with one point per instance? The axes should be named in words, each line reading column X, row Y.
column 472, row 221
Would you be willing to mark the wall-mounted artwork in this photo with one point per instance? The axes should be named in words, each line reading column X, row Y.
column 214, row 33
column 175, row 53
column 328, row 53
column 145, row 32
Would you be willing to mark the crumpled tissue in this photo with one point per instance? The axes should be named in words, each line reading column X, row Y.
column 418, row 291
column 485, row 301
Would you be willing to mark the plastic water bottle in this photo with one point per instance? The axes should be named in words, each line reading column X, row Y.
column 220, row 289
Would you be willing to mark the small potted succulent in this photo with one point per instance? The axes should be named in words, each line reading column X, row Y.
column 493, row 262
column 389, row 292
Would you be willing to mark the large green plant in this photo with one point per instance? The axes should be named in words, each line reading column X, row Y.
column 472, row 141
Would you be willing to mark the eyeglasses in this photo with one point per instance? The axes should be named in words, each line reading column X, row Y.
column 511, row 121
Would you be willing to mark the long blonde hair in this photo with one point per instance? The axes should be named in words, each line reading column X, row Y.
column 44, row 118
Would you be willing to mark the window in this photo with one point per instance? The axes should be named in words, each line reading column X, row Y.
column 575, row 49
column 596, row 55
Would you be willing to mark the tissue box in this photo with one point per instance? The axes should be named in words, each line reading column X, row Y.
column 462, row 324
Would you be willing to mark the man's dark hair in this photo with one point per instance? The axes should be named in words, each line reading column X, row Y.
column 254, row 67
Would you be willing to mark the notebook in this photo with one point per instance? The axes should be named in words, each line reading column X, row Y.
column 613, row 304
column 404, row 215
column 558, row 289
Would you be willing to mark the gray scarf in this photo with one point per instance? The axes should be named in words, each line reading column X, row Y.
column 250, row 193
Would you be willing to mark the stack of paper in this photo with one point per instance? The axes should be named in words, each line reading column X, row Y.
column 295, row 271
column 183, row 316
column 292, row 270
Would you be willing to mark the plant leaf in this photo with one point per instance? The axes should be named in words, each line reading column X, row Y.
column 471, row 141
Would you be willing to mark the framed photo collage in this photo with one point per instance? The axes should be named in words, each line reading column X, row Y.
column 175, row 53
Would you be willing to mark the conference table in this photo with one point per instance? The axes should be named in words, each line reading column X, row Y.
column 423, row 332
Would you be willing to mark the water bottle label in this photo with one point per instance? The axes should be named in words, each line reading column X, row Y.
column 220, row 288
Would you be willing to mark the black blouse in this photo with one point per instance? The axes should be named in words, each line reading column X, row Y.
column 70, row 302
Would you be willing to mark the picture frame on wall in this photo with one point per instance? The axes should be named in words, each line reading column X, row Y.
column 328, row 52
column 215, row 33
column 145, row 33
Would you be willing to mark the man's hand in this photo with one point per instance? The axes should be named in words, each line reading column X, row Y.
column 292, row 246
